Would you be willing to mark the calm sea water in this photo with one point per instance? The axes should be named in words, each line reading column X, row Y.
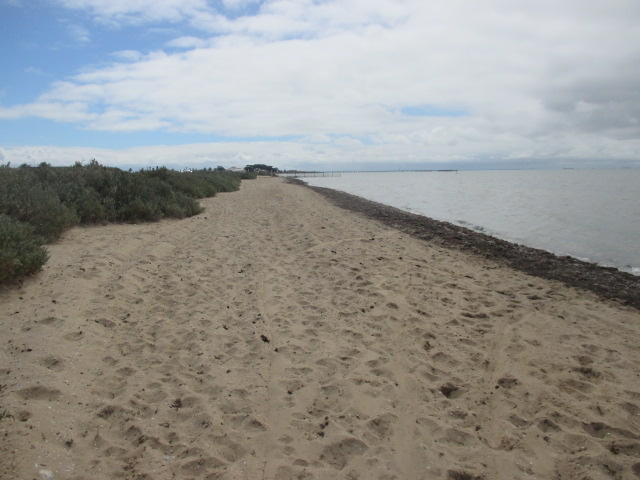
column 593, row 215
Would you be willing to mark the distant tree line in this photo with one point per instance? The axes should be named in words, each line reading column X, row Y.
column 261, row 168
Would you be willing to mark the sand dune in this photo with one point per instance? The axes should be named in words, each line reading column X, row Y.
column 276, row 336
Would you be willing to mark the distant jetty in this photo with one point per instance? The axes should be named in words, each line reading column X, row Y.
column 338, row 173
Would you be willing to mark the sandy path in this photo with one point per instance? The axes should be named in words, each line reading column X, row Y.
column 276, row 336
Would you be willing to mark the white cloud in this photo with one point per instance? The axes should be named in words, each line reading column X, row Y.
column 188, row 42
column 137, row 11
column 531, row 80
column 343, row 153
column 128, row 55
column 195, row 155
column 34, row 71
column 239, row 4
column 79, row 33
column 61, row 112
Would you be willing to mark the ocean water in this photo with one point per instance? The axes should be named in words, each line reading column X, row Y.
column 593, row 215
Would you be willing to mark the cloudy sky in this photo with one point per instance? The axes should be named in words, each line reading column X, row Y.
column 321, row 83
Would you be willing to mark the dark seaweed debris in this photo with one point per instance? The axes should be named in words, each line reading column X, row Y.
column 606, row 282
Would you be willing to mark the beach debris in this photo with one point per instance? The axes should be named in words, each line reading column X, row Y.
column 46, row 475
column 462, row 475
column 507, row 382
column 449, row 390
column 5, row 414
column 265, row 339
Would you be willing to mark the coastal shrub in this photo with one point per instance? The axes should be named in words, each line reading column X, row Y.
column 173, row 211
column 139, row 209
column 180, row 206
column 87, row 204
column 21, row 251
column 247, row 175
column 37, row 205
column 197, row 183
column 52, row 199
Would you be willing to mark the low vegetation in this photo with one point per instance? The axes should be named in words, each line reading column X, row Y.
column 21, row 252
column 37, row 204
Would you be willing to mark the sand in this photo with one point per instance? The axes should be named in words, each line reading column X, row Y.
column 277, row 336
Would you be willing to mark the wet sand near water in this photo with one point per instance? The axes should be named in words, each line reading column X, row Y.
column 279, row 336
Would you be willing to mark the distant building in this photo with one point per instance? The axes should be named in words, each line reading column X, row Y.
column 235, row 169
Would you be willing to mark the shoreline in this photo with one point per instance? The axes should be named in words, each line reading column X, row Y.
column 607, row 282
column 279, row 336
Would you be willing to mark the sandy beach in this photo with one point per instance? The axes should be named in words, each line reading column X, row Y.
column 279, row 336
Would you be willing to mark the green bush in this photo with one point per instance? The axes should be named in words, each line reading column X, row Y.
column 139, row 209
column 44, row 201
column 197, row 183
column 37, row 205
column 247, row 175
column 21, row 251
column 180, row 205
column 89, row 207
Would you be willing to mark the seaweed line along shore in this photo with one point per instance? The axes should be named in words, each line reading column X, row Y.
column 605, row 281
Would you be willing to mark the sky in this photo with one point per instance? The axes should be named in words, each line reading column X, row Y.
column 321, row 84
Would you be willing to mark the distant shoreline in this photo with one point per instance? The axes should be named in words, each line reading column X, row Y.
column 607, row 282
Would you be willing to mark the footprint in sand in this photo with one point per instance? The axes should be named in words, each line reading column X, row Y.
column 125, row 372
column 73, row 336
column 51, row 321
column 110, row 361
column 382, row 426
column 39, row 392
column 52, row 363
column 338, row 454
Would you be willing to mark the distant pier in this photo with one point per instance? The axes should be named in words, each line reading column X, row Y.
column 308, row 174
column 339, row 173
